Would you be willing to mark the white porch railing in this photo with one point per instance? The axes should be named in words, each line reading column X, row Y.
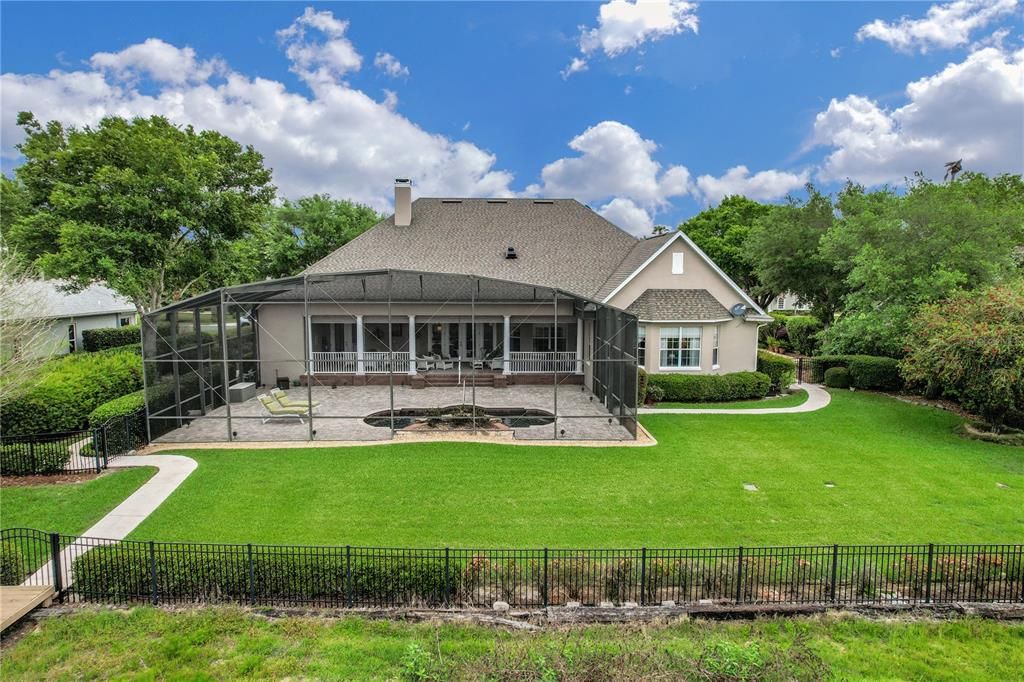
column 535, row 362
column 347, row 363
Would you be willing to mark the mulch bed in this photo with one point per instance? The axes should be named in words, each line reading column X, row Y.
column 18, row 481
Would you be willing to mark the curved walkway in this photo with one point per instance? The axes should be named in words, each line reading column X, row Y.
column 817, row 398
column 172, row 470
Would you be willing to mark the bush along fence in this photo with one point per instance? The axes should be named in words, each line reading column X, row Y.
column 73, row 452
column 126, row 572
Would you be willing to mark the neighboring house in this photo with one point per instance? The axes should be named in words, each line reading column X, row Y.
column 69, row 314
column 788, row 301
column 479, row 294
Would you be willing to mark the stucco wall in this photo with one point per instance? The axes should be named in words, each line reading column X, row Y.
column 738, row 338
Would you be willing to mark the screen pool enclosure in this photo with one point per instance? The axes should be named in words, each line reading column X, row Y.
column 375, row 355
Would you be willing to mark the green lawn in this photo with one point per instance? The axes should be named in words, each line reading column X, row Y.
column 68, row 507
column 797, row 397
column 901, row 474
column 226, row 643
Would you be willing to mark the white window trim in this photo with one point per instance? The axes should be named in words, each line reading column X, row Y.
column 716, row 351
column 681, row 368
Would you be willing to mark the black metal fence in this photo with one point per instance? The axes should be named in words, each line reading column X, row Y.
column 124, row 572
column 72, row 452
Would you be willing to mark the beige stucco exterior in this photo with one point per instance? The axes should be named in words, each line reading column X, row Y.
column 737, row 336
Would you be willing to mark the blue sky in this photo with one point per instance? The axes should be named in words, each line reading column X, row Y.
column 678, row 103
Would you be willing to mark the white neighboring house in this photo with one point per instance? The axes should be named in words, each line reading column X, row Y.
column 70, row 314
column 788, row 301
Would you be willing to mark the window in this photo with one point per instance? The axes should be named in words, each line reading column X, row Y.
column 677, row 263
column 549, row 339
column 72, row 338
column 641, row 346
column 714, row 348
column 680, row 347
column 125, row 321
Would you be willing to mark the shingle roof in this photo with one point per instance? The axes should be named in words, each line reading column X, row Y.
column 636, row 257
column 671, row 305
column 559, row 242
column 44, row 299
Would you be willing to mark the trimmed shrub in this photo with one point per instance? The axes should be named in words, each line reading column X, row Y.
column 110, row 337
column 781, row 370
column 641, row 384
column 70, row 388
column 122, row 573
column 12, row 564
column 872, row 372
column 837, row 377
column 27, row 459
column 712, row 388
column 803, row 333
column 118, row 407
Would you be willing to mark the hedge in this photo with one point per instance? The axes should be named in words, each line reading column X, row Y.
column 12, row 564
column 712, row 388
column 122, row 573
column 27, row 459
column 69, row 389
column 803, row 333
column 780, row 369
column 118, row 407
column 837, row 377
column 110, row 337
column 871, row 372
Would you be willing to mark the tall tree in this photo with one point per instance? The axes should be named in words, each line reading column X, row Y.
column 905, row 251
column 722, row 231
column 784, row 247
column 143, row 205
column 298, row 233
column 26, row 331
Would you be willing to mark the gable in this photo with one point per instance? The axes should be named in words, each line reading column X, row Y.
column 698, row 272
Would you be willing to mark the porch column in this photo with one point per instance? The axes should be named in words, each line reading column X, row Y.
column 462, row 339
column 579, row 346
column 412, row 344
column 360, row 367
column 507, row 347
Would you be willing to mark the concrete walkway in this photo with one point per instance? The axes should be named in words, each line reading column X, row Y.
column 125, row 517
column 817, row 398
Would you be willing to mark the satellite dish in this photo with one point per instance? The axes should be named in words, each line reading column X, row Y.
column 738, row 310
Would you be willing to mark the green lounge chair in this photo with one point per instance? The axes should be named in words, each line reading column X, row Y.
column 274, row 410
column 285, row 401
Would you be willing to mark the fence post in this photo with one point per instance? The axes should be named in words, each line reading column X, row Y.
column 129, row 443
column 348, row 575
column 546, row 590
column 447, row 577
column 928, row 575
column 97, row 451
column 739, row 576
column 835, row 572
column 152, row 572
column 58, row 579
column 32, row 456
column 252, row 580
column 643, row 575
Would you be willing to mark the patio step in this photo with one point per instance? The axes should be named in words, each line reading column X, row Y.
column 443, row 380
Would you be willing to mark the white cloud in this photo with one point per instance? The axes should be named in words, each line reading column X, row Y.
column 623, row 25
column 627, row 215
column 614, row 162
column 337, row 139
column 390, row 99
column 389, row 64
column 160, row 61
column 766, row 185
column 836, row 52
column 943, row 26
column 319, row 62
column 970, row 110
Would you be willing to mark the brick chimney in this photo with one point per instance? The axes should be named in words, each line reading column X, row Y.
column 403, row 202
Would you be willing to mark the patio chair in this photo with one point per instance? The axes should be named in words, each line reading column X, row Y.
column 285, row 401
column 443, row 363
column 425, row 364
column 275, row 410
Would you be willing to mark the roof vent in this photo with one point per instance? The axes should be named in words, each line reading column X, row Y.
column 510, row 253
column 497, row 201
column 543, row 201
column 451, row 201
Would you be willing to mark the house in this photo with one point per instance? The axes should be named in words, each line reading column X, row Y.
column 789, row 302
column 68, row 314
column 494, row 298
